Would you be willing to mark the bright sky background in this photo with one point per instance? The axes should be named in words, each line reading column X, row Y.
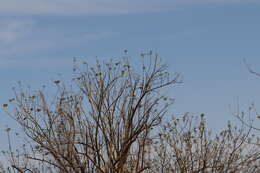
column 204, row 40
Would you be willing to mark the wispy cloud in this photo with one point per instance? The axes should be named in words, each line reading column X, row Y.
column 36, row 63
column 75, row 7
column 68, row 7
column 14, row 30
column 99, row 36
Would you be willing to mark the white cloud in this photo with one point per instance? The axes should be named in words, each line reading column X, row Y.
column 66, row 6
column 75, row 7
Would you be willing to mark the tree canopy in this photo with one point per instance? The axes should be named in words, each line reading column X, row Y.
column 112, row 121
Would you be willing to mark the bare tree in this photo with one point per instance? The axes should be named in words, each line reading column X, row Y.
column 246, row 118
column 102, row 126
column 186, row 146
column 111, row 121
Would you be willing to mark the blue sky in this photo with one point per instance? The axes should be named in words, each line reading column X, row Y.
column 205, row 41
